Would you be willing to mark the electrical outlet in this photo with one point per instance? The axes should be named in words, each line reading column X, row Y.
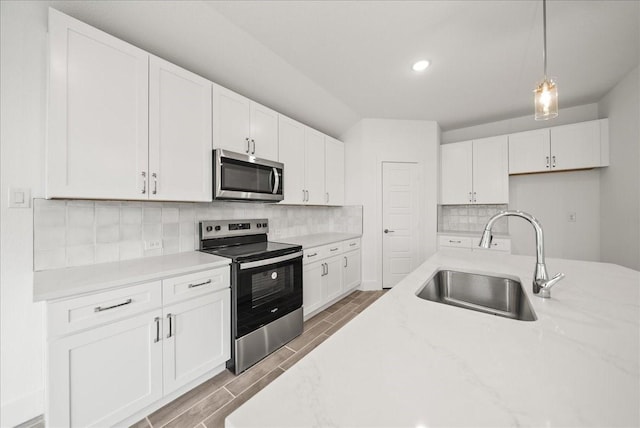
column 572, row 217
column 153, row 245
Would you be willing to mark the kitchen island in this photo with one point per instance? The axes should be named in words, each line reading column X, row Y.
column 408, row 362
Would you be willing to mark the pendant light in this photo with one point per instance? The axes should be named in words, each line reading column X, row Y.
column 546, row 93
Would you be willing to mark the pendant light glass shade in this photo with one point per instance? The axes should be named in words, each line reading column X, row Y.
column 546, row 100
column 546, row 93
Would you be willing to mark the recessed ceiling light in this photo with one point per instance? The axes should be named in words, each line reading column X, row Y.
column 421, row 65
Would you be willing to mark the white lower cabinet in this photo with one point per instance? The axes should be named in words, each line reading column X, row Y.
column 330, row 271
column 101, row 376
column 122, row 356
column 194, row 338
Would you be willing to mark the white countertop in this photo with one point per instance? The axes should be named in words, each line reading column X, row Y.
column 408, row 362
column 315, row 240
column 73, row 281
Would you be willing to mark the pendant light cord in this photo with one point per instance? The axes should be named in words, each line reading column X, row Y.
column 544, row 32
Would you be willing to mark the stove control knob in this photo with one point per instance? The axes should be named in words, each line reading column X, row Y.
column 259, row 225
column 218, row 228
column 209, row 228
column 264, row 224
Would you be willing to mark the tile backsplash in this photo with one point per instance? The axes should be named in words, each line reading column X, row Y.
column 469, row 218
column 74, row 233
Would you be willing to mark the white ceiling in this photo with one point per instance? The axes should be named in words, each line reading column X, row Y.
column 330, row 63
column 486, row 55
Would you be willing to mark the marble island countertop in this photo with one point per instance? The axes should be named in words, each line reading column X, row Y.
column 408, row 362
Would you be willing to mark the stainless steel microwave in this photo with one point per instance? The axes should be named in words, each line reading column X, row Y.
column 240, row 177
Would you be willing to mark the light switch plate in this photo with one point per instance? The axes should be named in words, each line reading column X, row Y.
column 153, row 245
column 572, row 217
column 19, row 197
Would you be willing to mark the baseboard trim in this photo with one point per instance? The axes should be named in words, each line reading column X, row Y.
column 23, row 409
column 370, row 285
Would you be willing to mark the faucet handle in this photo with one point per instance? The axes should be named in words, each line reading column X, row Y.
column 545, row 287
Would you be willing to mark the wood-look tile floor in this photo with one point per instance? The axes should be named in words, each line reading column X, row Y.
column 208, row 404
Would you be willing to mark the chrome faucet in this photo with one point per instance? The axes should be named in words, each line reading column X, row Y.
column 541, row 282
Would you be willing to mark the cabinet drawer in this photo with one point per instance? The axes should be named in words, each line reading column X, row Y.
column 322, row 252
column 455, row 241
column 195, row 284
column 68, row 316
column 352, row 244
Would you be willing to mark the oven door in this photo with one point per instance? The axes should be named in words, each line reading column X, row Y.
column 242, row 177
column 267, row 290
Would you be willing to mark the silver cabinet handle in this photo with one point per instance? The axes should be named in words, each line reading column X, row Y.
column 157, row 321
column 155, row 183
column 199, row 284
column 312, row 255
column 253, row 151
column 326, row 195
column 547, row 165
column 248, row 144
column 553, row 159
column 144, row 182
column 454, row 242
column 170, row 318
column 346, row 262
column 353, row 244
column 106, row 308
column 307, row 193
column 470, row 198
column 334, row 249
column 388, row 231
column 474, row 196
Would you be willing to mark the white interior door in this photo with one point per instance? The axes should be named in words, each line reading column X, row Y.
column 399, row 221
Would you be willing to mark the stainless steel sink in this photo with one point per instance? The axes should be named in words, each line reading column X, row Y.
column 495, row 295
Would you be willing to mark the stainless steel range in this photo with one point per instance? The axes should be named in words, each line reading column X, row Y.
column 266, row 287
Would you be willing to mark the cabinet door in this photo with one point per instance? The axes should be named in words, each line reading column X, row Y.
column 98, row 114
column 314, row 166
column 351, row 275
column 334, row 171
column 179, row 134
column 103, row 375
column 456, row 173
column 231, row 121
column 575, row 146
column 529, row 151
column 264, row 132
column 491, row 170
column 333, row 277
column 197, row 338
column 314, row 292
column 291, row 154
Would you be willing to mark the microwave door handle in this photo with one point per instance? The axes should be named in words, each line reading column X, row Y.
column 276, row 185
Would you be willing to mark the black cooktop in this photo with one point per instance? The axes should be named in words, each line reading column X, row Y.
column 253, row 251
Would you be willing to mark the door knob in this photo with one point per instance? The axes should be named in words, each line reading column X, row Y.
column 388, row 231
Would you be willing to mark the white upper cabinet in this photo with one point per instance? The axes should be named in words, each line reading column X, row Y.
column 98, row 113
column 491, row 170
column 314, row 167
column 264, row 132
column 456, row 173
column 334, row 171
column 291, row 154
column 244, row 126
column 529, row 151
column 576, row 146
column 474, row 172
column 179, row 134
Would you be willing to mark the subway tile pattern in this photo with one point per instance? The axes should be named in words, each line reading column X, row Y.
column 74, row 233
column 469, row 218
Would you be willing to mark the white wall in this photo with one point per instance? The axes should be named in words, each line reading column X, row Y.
column 550, row 197
column 620, row 182
column 367, row 145
column 22, row 84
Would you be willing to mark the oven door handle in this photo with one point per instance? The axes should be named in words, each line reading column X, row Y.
column 270, row 261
